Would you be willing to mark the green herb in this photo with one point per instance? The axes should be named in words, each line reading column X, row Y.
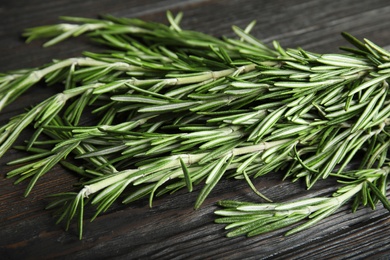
column 167, row 108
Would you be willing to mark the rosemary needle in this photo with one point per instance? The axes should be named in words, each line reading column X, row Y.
column 169, row 109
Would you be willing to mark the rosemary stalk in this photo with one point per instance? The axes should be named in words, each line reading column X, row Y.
column 169, row 108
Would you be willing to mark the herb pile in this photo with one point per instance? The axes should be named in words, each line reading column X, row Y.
column 166, row 109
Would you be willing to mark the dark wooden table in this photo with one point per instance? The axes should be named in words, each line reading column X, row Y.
column 172, row 229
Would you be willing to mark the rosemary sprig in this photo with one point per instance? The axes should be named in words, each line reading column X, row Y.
column 168, row 109
column 254, row 219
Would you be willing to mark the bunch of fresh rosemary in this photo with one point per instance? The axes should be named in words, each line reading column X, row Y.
column 166, row 109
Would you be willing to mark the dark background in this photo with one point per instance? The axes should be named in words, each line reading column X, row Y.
column 172, row 229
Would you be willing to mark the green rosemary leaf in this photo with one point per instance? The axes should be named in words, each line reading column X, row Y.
column 164, row 178
column 266, row 124
column 187, row 176
column 308, row 84
column 353, row 40
column 283, row 222
column 370, row 111
column 213, row 179
column 337, row 157
column 139, row 193
column 250, row 39
column 248, row 227
column 311, row 222
column 30, row 158
column 167, row 108
column 224, row 149
column 247, row 162
column 368, row 84
column 139, row 99
column 81, row 217
column 254, row 188
column 377, row 48
column 105, row 151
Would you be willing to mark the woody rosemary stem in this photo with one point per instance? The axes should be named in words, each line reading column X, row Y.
column 203, row 77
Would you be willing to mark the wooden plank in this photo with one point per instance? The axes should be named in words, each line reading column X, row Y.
column 172, row 229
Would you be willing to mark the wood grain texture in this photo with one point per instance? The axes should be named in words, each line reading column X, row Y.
column 172, row 229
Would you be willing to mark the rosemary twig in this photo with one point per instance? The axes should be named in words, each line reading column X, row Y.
column 254, row 219
column 169, row 109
